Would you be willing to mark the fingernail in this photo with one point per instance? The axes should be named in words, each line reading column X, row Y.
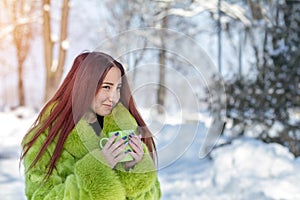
column 124, row 138
column 131, row 134
column 128, row 150
column 117, row 133
column 126, row 143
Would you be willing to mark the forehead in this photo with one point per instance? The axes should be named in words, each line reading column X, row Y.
column 113, row 76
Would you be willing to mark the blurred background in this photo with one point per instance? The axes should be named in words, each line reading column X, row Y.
column 193, row 66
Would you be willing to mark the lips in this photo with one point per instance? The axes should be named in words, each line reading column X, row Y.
column 108, row 106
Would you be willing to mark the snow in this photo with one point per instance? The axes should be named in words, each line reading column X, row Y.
column 245, row 169
column 14, row 124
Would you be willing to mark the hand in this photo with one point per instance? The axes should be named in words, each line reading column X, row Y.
column 113, row 152
column 137, row 154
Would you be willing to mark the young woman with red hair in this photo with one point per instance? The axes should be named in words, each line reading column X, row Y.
column 61, row 152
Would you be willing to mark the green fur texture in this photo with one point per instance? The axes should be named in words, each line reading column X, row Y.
column 81, row 172
column 119, row 119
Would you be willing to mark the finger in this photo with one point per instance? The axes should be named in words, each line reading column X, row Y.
column 134, row 137
column 134, row 147
column 111, row 140
column 109, row 158
column 136, row 143
column 137, row 150
column 120, row 149
column 118, row 144
column 136, row 156
column 120, row 157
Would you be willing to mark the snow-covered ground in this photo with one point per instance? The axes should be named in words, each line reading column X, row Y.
column 246, row 169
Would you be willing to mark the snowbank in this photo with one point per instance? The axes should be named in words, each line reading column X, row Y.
column 251, row 169
column 246, row 169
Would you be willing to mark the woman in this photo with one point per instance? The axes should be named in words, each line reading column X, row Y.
column 61, row 152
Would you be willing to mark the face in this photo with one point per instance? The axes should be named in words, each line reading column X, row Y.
column 109, row 93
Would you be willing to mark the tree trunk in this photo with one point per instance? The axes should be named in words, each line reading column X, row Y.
column 18, row 38
column 21, row 84
column 256, row 9
column 62, row 41
column 48, row 46
column 54, row 71
column 21, row 38
column 161, row 92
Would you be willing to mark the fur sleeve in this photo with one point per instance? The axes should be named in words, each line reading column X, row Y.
column 142, row 179
column 79, row 174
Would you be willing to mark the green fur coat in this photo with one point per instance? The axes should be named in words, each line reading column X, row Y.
column 81, row 172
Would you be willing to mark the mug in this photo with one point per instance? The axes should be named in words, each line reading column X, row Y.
column 122, row 133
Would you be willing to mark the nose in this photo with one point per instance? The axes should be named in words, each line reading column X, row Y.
column 113, row 96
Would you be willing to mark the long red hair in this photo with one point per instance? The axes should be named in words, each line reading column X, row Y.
column 73, row 99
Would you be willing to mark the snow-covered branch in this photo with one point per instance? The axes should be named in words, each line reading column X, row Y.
column 232, row 10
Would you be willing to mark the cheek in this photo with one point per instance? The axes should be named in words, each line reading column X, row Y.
column 96, row 100
column 99, row 96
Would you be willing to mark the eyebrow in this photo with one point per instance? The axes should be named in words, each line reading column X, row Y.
column 109, row 83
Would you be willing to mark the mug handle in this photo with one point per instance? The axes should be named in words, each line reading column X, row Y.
column 101, row 142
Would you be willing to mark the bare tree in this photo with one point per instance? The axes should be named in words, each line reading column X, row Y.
column 161, row 91
column 165, row 14
column 124, row 15
column 19, row 14
column 54, row 69
column 21, row 37
column 145, row 13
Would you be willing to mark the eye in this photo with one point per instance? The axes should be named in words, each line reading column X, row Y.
column 107, row 87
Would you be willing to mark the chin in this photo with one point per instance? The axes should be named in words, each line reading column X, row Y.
column 106, row 113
